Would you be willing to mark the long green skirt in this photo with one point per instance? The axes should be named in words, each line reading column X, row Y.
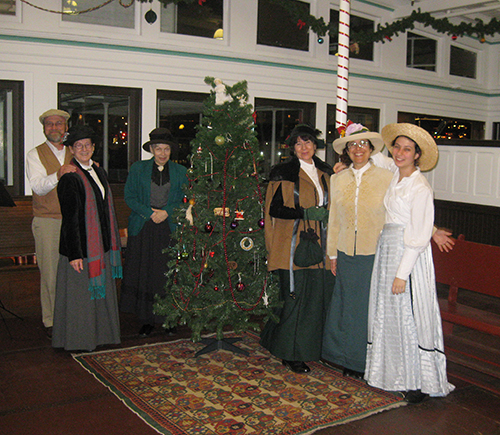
column 346, row 328
column 299, row 334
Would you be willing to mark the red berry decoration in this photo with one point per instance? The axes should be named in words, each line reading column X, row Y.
column 261, row 223
column 240, row 286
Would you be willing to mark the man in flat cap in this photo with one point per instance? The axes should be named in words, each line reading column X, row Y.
column 45, row 164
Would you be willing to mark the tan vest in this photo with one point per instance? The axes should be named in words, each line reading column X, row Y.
column 47, row 206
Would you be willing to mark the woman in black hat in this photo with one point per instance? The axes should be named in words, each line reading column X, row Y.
column 86, row 306
column 297, row 199
column 152, row 191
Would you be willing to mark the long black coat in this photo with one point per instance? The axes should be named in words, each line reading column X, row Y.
column 71, row 193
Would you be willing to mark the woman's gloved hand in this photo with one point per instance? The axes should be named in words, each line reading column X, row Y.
column 316, row 214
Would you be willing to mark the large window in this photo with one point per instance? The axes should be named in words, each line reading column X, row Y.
column 181, row 112
column 462, row 62
column 357, row 24
column 275, row 121
column 441, row 127
column 113, row 14
column 11, row 136
column 277, row 28
column 204, row 20
column 420, row 52
column 114, row 114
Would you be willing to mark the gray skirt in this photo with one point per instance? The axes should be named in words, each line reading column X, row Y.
column 81, row 323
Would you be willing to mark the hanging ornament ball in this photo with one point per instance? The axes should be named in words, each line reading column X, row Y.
column 216, row 288
column 261, row 223
column 185, row 200
column 185, row 254
column 190, row 171
column 150, row 16
column 320, row 40
column 211, row 253
column 483, row 40
column 240, row 286
column 454, row 37
column 220, row 140
column 208, row 227
column 233, row 225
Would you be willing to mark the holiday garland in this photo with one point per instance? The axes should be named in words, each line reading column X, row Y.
column 478, row 29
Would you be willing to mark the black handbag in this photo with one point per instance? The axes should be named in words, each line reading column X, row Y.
column 308, row 251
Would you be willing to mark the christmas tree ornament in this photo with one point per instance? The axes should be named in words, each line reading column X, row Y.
column 320, row 40
column 184, row 255
column 454, row 37
column 261, row 223
column 192, row 201
column 240, row 286
column 220, row 140
column 150, row 16
column 208, row 227
column 211, row 253
column 233, row 225
column 246, row 243
column 185, row 199
column 199, row 150
column 216, row 288
column 239, row 215
column 220, row 211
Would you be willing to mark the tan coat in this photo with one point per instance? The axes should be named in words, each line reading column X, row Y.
column 370, row 213
column 279, row 231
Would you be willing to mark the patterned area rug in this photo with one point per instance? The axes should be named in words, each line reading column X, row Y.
column 228, row 393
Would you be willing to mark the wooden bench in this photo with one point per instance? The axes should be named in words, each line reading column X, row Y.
column 474, row 267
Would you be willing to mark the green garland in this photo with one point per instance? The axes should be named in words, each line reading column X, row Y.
column 478, row 29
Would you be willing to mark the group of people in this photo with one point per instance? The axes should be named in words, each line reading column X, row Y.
column 370, row 304
column 77, row 240
column 367, row 303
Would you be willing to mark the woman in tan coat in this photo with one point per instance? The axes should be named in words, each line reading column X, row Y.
column 297, row 199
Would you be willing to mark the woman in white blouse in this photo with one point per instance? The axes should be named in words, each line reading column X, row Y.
column 405, row 341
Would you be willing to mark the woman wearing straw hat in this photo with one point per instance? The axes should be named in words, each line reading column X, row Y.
column 405, row 340
column 357, row 216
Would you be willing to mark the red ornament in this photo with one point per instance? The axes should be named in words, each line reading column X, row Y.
column 454, row 37
column 185, row 200
column 200, row 2
column 300, row 24
column 261, row 223
column 240, row 286
column 216, row 288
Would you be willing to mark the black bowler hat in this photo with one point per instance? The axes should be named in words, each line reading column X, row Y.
column 161, row 135
column 78, row 132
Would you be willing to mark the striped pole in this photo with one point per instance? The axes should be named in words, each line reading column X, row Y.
column 343, row 63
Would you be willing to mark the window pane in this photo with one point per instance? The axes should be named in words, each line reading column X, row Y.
column 110, row 112
column 181, row 112
column 275, row 121
column 420, row 52
column 357, row 24
column 193, row 19
column 462, row 62
column 441, row 127
column 7, row 7
column 11, row 136
column 278, row 29
column 113, row 14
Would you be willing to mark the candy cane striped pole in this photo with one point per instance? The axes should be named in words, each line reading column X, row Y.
column 343, row 63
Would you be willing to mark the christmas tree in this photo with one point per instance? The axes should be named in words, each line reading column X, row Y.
column 218, row 277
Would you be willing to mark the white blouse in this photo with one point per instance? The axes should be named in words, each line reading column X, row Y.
column 409, row 202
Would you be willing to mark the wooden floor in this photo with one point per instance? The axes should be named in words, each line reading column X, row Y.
column 45, row 392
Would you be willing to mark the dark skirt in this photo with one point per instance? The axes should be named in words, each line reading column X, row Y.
column 81, row 323
column 346, row 327
column 144, row 271
column 299, row 334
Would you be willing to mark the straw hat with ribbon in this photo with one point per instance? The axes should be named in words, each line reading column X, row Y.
column 422, row 138
column 352, row 132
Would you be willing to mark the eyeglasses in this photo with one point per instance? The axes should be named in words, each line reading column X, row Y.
column 360, row 144
column 81, row 146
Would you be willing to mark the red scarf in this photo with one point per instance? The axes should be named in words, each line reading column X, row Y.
column 95, row 248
